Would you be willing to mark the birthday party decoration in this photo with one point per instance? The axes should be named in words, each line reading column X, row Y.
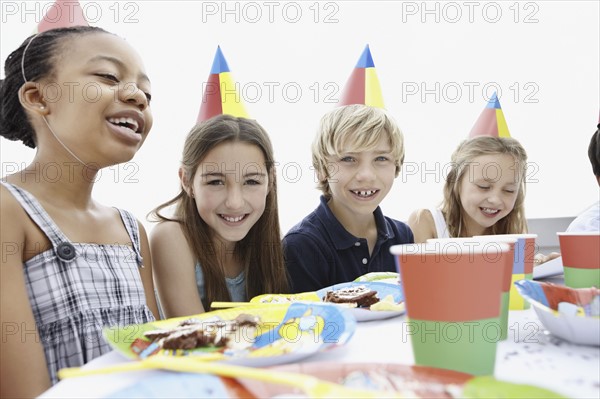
column 363, row 85
column 62, row 14
column 491, row 122
column 221, row 94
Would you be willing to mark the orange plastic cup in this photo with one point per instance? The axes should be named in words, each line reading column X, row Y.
column 452, row 297
column 581, row 258
column 484, row 242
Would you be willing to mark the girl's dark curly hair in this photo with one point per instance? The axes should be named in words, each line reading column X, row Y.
column 42, row 52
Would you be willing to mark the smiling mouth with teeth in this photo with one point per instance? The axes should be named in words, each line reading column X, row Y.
column 233, row 219
column 490, row 211
column 365, row 193
column 128, row 123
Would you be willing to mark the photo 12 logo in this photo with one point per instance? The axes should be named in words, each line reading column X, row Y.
column 452, row 12
column 437, row 172
column 69, row 11
column 253, row 12
column 274, row 92
column 472, row 92
column 53, row 172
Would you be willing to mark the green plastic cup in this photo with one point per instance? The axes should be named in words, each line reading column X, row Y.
column 452, row 296
column 581, row 258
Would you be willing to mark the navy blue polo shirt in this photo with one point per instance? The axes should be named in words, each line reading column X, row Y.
column 320, row 252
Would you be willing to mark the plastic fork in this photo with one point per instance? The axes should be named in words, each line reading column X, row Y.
column 311, row 386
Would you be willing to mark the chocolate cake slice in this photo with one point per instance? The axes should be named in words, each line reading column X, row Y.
column 193, row 333
column 186, row 339
column 360, row 295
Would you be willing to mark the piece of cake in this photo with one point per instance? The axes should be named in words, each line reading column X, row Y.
column 360, row 295
column 192, row 333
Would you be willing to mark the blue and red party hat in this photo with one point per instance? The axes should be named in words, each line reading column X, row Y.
column 363, row 85
column 491, row 122
column 220, row 93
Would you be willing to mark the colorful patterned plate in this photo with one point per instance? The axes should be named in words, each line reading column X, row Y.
column 286, row 333
column 381, row 277
column 405, row 380
column 397, row 380
column 545, row 297
column 383, row 290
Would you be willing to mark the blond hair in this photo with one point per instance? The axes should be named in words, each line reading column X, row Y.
column 467, row 151
column 353, row 128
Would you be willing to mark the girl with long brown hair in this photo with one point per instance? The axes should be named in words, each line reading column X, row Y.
column 223, row 242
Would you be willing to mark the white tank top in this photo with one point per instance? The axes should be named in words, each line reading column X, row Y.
column 440, row 223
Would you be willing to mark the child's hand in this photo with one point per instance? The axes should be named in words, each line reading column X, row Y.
column 541, row 258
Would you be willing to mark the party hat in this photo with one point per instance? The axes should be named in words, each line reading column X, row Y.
column 491, row 122
column 62, row 14
column 363, row 85
column 220, row 93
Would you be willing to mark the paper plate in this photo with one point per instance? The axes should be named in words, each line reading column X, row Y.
column 183, row 385
column 381, row 277
column 383, row 290
column 286, row 298
column 407, row 381
column 286, row 333
column 551, row 268
column 570, row 327
column 397, row 380
column 425, row 381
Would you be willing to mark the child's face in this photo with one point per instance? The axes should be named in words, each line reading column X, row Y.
column 488, row 190
column 97, row 101
column 360, row 180
column 230, row 188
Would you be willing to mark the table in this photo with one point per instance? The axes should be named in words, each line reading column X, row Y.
column 530, row 355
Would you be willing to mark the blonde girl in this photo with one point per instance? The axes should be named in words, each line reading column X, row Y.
column 484, row 192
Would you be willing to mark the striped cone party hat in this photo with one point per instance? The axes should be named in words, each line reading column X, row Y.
column 491, row 122
column 220, row 93
column 363, row 85
column 62, row 14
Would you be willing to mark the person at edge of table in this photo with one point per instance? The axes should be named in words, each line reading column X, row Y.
column 76, row 265
column 589, row 220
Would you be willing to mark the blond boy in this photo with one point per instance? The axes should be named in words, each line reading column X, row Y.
column 357, row 154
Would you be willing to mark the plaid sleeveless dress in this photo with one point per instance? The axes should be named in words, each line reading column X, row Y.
column 76, row 289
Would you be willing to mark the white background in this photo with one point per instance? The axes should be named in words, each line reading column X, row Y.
column 438, row 63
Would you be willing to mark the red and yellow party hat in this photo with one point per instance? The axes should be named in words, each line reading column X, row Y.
column 491, row 122
column 62, row 14
column 363, row 85
column 220, row 93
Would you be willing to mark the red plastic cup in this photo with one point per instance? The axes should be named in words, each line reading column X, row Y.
column 581, row 258
column 452, row 297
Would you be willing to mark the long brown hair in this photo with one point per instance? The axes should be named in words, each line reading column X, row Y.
column 260, row 251
column 514, row 222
